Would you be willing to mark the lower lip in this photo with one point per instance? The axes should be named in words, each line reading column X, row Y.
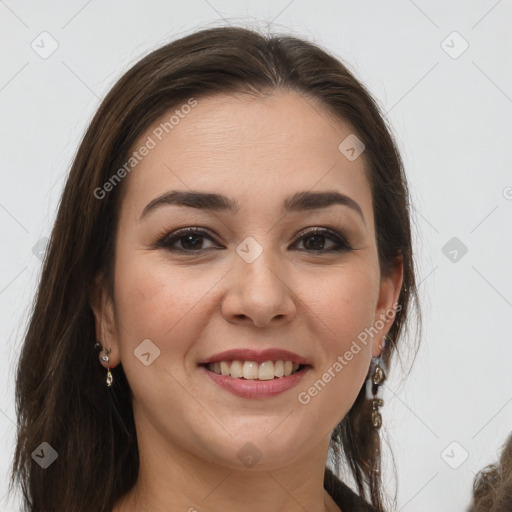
column 247, row 388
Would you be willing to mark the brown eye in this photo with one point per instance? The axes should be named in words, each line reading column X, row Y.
column 314, row 241
column 187, row 240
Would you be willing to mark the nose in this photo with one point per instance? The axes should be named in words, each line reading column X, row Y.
column 259, row 294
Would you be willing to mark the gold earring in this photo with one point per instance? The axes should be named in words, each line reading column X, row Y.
column 385, row 341
column 110, row 379
column 377, row 378
column 378, row 374
column 105, row 358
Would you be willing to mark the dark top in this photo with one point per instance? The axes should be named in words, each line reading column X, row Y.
column 344, row 496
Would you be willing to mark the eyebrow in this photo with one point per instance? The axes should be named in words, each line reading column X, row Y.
column 298, row 202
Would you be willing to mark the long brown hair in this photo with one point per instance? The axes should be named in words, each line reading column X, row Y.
column 61, row 396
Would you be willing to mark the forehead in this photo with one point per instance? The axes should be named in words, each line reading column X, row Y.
column 255, row 149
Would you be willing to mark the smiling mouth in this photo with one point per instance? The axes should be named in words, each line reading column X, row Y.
column 251, row 370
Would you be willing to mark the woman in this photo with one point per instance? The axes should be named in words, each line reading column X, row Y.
column 234, row 241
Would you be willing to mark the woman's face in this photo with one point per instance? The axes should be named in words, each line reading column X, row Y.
column 253, row 279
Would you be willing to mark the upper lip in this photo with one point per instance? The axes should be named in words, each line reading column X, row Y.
column 258, row 356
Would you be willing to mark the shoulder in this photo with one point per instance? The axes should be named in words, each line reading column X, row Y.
column 346, row 499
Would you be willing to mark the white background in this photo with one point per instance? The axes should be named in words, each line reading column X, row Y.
column 452, row 119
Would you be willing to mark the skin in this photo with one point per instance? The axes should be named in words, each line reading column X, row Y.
column 191, row 306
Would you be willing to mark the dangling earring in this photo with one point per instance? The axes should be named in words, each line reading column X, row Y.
column 105, row 358
column 373, row 390
column 110, row 379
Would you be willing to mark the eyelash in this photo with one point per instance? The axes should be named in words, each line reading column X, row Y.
column 170, row 239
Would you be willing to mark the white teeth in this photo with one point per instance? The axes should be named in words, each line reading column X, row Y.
column 251, row 370
column 266, row 371
column 236, row 369
column 224, row 368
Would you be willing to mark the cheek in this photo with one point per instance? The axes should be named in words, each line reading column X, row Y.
column 154, row 297
column 158, row 302
column 343, row 308
column 343, row 303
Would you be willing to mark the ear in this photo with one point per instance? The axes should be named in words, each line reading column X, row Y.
column 104, row 316
column 390, row 287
